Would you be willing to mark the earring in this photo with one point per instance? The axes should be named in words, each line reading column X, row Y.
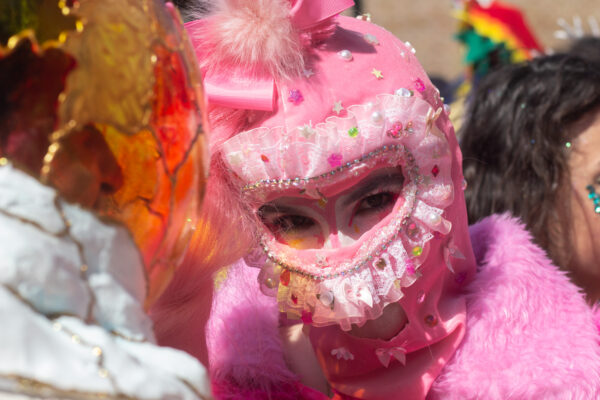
column 592, row 195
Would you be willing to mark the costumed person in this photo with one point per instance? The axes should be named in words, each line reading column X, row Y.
column 101, row 180
column 334, row 160
column 531, row 146
column 493, row 33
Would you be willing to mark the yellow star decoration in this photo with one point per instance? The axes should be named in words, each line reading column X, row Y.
column 377, row 73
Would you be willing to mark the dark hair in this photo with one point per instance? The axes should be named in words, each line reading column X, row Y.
column 515, row 144
column 588, row 48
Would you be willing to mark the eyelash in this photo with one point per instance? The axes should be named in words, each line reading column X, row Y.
column 294, row 223
column 386, row 197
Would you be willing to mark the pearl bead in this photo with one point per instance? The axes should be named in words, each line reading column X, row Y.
column 377, row 117
column 326, row 298
column 345, row 55
column 434, row 219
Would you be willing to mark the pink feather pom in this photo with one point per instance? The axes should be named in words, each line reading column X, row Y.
column 254, row 35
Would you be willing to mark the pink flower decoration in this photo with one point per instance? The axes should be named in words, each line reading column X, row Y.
column 395, row 131
column 419, row 85
column 295, row 96
column 335, row 160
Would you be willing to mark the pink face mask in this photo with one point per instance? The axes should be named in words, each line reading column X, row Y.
column 343, row 281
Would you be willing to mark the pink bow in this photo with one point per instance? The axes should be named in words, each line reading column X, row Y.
column 385, row 355
column 245, row 92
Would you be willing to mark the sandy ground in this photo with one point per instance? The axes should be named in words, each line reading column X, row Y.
column 429, row 26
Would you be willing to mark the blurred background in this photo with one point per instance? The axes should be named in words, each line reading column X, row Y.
column 429, row 26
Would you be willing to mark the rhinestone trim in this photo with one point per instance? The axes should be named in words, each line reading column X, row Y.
column 298, row 182
column 414, row 178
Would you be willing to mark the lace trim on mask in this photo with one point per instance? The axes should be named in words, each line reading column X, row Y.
column 278, row 157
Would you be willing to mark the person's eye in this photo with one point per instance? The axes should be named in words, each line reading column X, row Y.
column 376, row 202
column 292, row 223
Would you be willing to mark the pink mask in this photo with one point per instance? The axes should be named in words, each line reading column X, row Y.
column 349, row 285
column 364, row 103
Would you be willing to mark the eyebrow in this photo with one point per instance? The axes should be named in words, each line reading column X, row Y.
column 372, row 184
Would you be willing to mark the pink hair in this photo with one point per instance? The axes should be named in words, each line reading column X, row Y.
column 255, row 35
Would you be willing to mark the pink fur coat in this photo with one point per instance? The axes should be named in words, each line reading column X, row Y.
column 530, row 334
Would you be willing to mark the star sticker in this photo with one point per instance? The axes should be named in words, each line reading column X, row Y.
column 307, row 130
column 377, row 73
column 337, row 107
column 307, row 72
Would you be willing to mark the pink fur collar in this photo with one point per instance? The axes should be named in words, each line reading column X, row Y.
column 530, row 333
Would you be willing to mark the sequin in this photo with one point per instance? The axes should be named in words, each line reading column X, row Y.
column 284, row 278
column 295, row 96
column 381, row 264
column 335, row 159
column 435, row 171
column 412, row 230
column 353, row 132
column 431, row 321
column 421, row 297
column 377, row 73
column 395, row 131
column 307, row 72
column 337, row 107
column 294, row 298
column 264, row 158
column 307, row 131
column 417, row 251
column 419, row 85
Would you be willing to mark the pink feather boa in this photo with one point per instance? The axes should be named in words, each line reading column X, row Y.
column 530, row 333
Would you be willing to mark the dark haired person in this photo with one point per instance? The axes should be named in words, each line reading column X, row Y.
column 531, row 146
column 587, row 47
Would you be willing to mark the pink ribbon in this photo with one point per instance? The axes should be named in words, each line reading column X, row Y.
column 245, row 92
column 385, row 355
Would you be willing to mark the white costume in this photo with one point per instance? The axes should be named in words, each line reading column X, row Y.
column 72, row 289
